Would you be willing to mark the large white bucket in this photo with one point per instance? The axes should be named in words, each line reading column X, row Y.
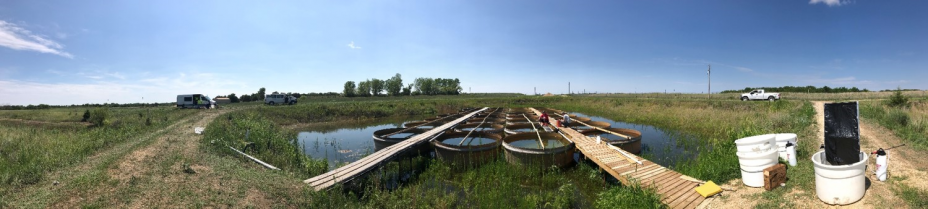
column 753, row 165
column 781, row 140
column 759, row 143
column 839, row 184
column 768, row 157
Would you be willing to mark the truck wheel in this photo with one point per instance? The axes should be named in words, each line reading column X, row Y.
column 744, row 98
column 271, row 103
column 291, row 103
column 771, row 98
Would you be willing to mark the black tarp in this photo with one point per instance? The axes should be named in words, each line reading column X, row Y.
column 842, row 133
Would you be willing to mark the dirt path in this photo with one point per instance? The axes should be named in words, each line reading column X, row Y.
column 155, row 171
column 904, row 168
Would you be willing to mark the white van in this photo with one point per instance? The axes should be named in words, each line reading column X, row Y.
column 273, row 99
column 194, row 101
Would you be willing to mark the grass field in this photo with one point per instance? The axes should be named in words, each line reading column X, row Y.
column 35, row 142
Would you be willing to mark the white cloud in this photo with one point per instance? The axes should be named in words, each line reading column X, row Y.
column 830, row 3
column 352, row 46
column 17, row 38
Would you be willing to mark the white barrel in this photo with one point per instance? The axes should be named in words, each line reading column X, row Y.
column 839, row 184
column 759, row 143
column 882, row 161
column 753, row 165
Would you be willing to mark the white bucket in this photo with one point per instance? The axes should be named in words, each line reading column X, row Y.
column 768, row 157
column 759, row 143
column 839, row 184
column 753, row 165
column 781, row 140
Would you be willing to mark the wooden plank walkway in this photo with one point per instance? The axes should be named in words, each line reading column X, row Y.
column 357, row 168
column 348, row 172
column 674, row 190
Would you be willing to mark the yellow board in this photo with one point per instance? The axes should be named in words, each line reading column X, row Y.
column 708, row 189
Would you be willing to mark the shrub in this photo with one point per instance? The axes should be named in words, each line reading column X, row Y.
column 86, row 116
column 98, row 116
column 897, row 99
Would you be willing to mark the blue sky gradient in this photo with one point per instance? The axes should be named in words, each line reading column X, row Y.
column 71, row 52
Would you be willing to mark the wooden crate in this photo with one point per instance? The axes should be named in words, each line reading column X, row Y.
column 774, row 176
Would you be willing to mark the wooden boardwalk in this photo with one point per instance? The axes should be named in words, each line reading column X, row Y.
column 675, row 191
column 357, row 168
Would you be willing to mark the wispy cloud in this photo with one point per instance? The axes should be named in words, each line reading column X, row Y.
column 17, row 38
column 352, row 46
column 830, row 3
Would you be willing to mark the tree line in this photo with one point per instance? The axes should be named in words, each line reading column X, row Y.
column 803, row 89
column 394, row 87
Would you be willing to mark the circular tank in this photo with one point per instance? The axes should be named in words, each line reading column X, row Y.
column 524, row 149
column 420, row 124
column 632, row 145
column 522, row 128
column 490, row 128
column 490, row 120
column 581, row 127
column 381, row 142
column 477, row 149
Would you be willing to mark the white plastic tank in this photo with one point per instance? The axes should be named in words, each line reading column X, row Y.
column 790, row 154
column 753, row 165
column 839, row 184
column 759, row 143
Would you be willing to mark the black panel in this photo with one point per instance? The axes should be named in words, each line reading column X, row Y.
column 842, row 133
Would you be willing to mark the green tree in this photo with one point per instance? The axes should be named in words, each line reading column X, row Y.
column 233, row 98
column 246, row 98
column 260, row 94
column 407, row 90
column 897, row 99
column 364, row 88
column 349, row 89
column 394, row 85
column 376, row 86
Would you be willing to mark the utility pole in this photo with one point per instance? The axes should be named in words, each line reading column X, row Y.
column 536, row 90
column 568, row 88
column 709, row 76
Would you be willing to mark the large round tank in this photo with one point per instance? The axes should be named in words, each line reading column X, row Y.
column 486, row 127
column 632, row 144
column 522, row 128
column 477, row 149
column 581, row 127
column 381, row 142
column 524, row 149
column 489, row 120
column 421, row 124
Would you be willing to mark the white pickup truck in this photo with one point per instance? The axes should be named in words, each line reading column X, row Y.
column 759, row 94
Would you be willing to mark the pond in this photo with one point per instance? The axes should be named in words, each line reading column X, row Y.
column 665, row 148
column 346, row 142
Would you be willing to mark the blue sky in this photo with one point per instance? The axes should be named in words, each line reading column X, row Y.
column 68, row 52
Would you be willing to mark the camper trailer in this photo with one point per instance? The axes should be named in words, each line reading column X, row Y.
column 194, row 101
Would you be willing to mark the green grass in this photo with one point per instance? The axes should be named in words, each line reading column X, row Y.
column 39, row 141
column 908, row 123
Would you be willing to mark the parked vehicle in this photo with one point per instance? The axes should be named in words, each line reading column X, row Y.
column 194, row 101
column 272, row 99
column 759, row 94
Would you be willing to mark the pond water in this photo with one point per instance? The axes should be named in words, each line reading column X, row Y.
column 665, row 148
column 533, row 143
column 472, row 141
column 348, row 142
